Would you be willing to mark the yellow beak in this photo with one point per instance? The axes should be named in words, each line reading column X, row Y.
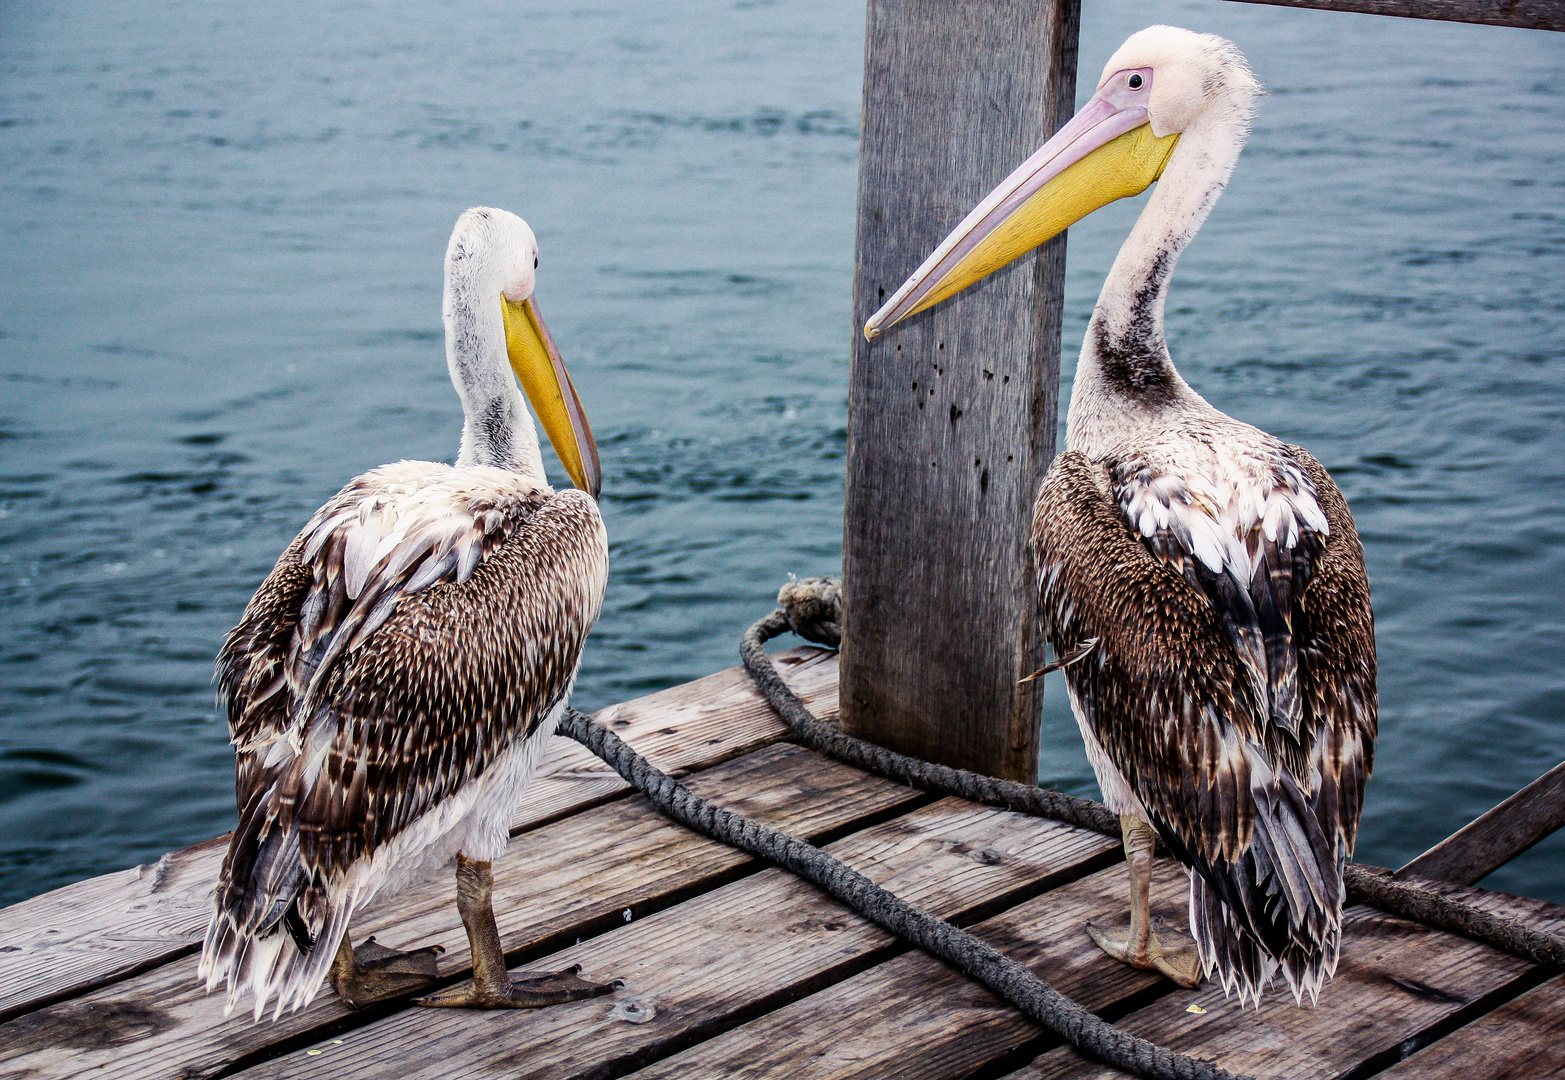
column 548, row 387
column 1106, row 152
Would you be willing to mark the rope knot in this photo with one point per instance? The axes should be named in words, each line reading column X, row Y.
column 814, row 609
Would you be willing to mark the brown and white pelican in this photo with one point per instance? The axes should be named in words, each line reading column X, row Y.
column 395, row 679
column 1202, row 585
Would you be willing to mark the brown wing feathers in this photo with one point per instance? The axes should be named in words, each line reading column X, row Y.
column 364, row 686
column 251, row 678
column 446, row 685
column 1337, row 662
column 1163, row 690
column 1254, row 782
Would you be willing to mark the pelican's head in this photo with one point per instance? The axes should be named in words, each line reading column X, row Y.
column 1162, row 83
column 493, row 259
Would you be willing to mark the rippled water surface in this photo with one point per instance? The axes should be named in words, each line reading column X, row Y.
column 220, row 244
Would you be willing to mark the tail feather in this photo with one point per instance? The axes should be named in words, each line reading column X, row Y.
column 269, row 962
column 1243, row 967
column 1304, row 946
column 265, row 901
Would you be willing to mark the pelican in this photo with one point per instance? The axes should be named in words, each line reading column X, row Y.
column 394, row 680
column 1202, row 585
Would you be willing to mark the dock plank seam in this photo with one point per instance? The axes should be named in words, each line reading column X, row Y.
column 1045, row 933
column 623, row 1065
column 916, row 852
column 1485, row 1044
column 1353, row 1040
column 1448, row 1025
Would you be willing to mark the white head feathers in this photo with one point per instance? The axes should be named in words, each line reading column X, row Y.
column 1196, row 77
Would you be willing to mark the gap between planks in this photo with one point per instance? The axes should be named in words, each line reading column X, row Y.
column 1487, row 1048
column 106, row 929
column 1398, row 983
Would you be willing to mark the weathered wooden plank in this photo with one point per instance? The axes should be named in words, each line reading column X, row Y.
column 1529, row 14
column 864, row 1027
column 554, row 885
column 718, row 959
column 951, row 416
column 1523, row 1039
column 1490, row 841
column 1398, row 987
column 96, row 932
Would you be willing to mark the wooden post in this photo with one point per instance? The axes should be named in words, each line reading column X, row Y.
column 951, row 414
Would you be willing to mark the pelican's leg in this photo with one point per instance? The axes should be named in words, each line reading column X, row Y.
column 492, row 987
column 373, row 972
column 1140, row 945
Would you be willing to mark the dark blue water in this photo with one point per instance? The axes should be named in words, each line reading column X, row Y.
column 220, row 242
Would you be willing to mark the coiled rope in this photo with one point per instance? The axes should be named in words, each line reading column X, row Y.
column 811, row 609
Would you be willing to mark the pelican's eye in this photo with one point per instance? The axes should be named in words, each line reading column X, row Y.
column 1135, row 82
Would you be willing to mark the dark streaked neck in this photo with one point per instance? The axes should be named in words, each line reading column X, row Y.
column 1125, row 378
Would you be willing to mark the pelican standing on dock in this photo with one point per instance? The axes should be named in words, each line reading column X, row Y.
column 1201, row 581
column 395, row 679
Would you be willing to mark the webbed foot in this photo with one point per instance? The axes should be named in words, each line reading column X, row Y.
column 527, row 990
column 1165, row 952
column 372, row 972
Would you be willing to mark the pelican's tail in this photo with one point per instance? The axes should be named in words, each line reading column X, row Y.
column 1278, row 906
column 274, row 930
column 1244, row 967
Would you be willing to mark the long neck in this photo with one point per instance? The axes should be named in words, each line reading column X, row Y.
column 1125, row 378
column 498, row 431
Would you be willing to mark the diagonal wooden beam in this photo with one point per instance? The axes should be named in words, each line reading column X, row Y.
column 1489, row 842
column 1528, row 14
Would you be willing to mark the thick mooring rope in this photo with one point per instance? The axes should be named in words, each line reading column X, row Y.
column 811, row 609
column 1004, row 976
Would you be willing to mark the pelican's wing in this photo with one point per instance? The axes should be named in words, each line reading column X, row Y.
column 1164, row 690
column 252, row 665
column 1336, row 635
column 1187, row 710
column 1250, row 547
column 390, row 532
column 438, row 622
column 452, row 679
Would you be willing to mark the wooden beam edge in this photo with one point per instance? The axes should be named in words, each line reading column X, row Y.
column 1496, row 837
column 1522, row 14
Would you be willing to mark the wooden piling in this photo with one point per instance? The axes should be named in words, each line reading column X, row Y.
column 951, row 415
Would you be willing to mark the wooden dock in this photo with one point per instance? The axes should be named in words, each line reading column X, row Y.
column 732, row 968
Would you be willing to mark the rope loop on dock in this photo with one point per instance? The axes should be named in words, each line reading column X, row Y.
column 1011, row 980
column 812, row 609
